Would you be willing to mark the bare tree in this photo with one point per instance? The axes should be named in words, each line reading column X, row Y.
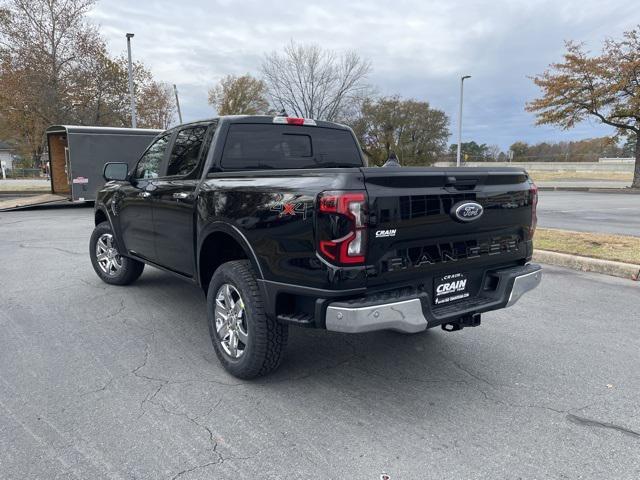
column 311, row 82
column 493, row 152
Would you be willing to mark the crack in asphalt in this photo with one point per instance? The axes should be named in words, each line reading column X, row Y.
column 191, row 419
column 507, row 402
column 118, row 311
column 588, row 422
column 48, row 247
column 99, row 286
column 197, row 467
column 101, row 389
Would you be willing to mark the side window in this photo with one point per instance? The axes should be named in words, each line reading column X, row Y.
column 149, row 165
column 186, row 150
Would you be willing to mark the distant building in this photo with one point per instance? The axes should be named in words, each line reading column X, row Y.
column 7, row 155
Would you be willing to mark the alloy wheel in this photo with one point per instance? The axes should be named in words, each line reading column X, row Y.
column 107, row 256
column 231, row 322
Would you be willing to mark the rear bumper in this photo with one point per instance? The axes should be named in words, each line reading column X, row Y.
column 416, row 313
column 523, row 283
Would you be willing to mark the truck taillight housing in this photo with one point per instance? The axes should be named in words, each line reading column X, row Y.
column 533, row 191
column 342, row 227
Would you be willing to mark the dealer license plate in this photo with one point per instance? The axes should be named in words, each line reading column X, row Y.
column 450, row 288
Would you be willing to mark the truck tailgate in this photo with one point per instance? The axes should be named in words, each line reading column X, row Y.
column 414, row 228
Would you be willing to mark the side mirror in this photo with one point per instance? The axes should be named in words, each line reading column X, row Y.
column 115, row 171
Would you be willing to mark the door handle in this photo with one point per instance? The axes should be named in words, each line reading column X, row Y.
column 144, row 194
column 181, row 195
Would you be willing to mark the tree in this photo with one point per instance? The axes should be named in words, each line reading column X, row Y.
column 55, row 69
column 415, row 131
column 156, row 105
column 606, row 86
column 471, row 151
column 310, row 82
column 629, row 147
column 40, row 41
column 587, row 150
column 519, row 149
column 493, row 152
column 243, row 95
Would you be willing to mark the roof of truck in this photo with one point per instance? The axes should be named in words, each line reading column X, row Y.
column 99, row 130
column 259, row 119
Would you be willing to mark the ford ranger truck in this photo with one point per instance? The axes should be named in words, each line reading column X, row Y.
column 281, row 222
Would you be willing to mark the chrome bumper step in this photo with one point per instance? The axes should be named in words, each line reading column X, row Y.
column 408, row 315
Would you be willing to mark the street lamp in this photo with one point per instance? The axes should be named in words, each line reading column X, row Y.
column 460, row 120
column 132, row 98
column 175, row 90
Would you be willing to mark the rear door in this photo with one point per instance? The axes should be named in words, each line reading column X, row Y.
column 415, row 233
column 175, row 196
column 135, row 204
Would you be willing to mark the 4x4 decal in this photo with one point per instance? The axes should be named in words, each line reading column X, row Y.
column 291, row 208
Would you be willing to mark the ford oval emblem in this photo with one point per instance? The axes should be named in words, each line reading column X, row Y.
column 467, row 211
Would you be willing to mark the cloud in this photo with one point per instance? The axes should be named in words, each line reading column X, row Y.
column 418, row 49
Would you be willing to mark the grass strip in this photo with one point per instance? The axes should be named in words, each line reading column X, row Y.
column 619, row 248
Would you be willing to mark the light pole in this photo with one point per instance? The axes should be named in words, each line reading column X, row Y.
column 175, row 90
column 132, row 98
column 460, row 120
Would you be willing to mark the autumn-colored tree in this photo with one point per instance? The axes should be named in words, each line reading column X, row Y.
column 416, row 132
column 605, row 86
column 244, row 95
column 40, row 42
column 156, row 105
column 55, row 69
column 311, row 82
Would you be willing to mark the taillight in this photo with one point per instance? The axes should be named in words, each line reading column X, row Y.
column 533, row 191
column 342, row 227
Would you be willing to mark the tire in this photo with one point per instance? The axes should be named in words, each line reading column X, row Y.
column 122, row 270
column 262, row 339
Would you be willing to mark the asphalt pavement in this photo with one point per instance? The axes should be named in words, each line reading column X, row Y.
column 617, row 213
column 98, row 381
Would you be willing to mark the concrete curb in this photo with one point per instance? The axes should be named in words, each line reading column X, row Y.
column 625, row 190
column 587, row 264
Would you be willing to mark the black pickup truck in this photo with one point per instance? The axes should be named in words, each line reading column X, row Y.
column 280, row 222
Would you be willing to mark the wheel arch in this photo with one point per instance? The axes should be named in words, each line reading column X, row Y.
column 221, row 243
column 100, row 216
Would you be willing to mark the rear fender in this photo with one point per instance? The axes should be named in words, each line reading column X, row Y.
column 237, row 235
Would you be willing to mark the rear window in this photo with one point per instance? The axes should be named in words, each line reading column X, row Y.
column 268, row 146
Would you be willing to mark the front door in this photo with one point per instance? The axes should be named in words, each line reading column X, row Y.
column 174, row 199
column 135, row 205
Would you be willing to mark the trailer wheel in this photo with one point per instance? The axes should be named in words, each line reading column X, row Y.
column 110, row 266
column 247, row 342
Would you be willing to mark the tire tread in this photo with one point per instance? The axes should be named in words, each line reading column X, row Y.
column 270, row 337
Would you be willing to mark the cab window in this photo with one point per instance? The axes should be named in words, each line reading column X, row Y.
column 149, row 165
column 185, row 154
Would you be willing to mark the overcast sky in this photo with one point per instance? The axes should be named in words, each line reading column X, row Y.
column 418, row 49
